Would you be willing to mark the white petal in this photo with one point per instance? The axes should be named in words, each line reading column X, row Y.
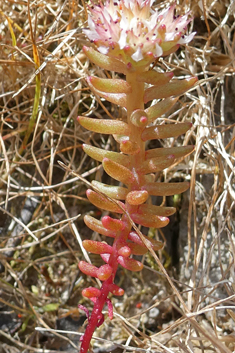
column 103, row 50
column 106, row 15
column 133, row 23
column 91, row 24
column 122, row 40
column 92, row 35
column 153, row 20
column 187, row 39
column 169, row 36
column 124, row 24
column 158, row 50
column 137, row 56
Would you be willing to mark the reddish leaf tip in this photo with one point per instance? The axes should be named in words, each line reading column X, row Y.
column 104, row 272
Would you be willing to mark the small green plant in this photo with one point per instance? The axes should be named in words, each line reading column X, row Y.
column 129, row 36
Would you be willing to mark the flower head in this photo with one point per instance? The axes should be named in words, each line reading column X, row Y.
column 132, row 30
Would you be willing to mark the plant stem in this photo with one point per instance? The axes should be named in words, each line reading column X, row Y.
column 95, row 315
column 105, row 289
column 134, row 101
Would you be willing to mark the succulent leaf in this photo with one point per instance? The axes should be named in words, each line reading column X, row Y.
column 129, row 147
column 137, row 249
column 118, row 172
column 124, row 251
column 171, row 50
column 137, row 197
column 114, row 289
column 104, row 61
column 99, row 154
column 97, row 226
column 176, row 151
column 91, row 292
column 149, row 220
column 157, row 210
column 88, row 269
column 104, row 272
column 157, row 110
column 174, row 88
column 104, row 126
column 110, row 308
column 139, row 118
column 155, row 78
column 97, row 247
column 105, row 257
column 166, row 189
column 109, row 85
column 114, row 192
column 134, row 237
column 170, row 47
column 154, row 165
column 103, row 203
column 112, row 224
column 165, row 131
column 116, row 98
column 130, row 264
column 120, row 138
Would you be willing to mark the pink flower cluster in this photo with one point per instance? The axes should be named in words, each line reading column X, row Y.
column 132, row 29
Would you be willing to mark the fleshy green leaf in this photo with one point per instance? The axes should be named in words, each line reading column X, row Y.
column 88, row 269
column 97, row 247
column 137, row 197
column 156, row 164
column 176, row 151
column 165, row 131
column 104, row 126
column 109, row 85
column 155, row 78
column 149, row 220
column 99, row 154
column 134, row 237
column 166, row 189
column 91, row 292
column 115, row 225
column 118, row 172
column 104, row 61
column 160, row 108
column 174, row 88
column 114, row 192
column 157, row 210
column 130, row 264
column 97, row 226
column 103, row 203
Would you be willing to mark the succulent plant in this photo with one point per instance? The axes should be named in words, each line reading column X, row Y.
column 128, row 36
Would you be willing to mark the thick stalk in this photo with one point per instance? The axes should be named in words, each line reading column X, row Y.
column 93, row 322
column 134, row 101
column 96, row 314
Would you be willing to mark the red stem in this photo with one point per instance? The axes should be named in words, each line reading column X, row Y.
column 134, row 101
column 95, row 316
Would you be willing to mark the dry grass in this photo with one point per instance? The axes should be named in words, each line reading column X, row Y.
column 184, row 305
